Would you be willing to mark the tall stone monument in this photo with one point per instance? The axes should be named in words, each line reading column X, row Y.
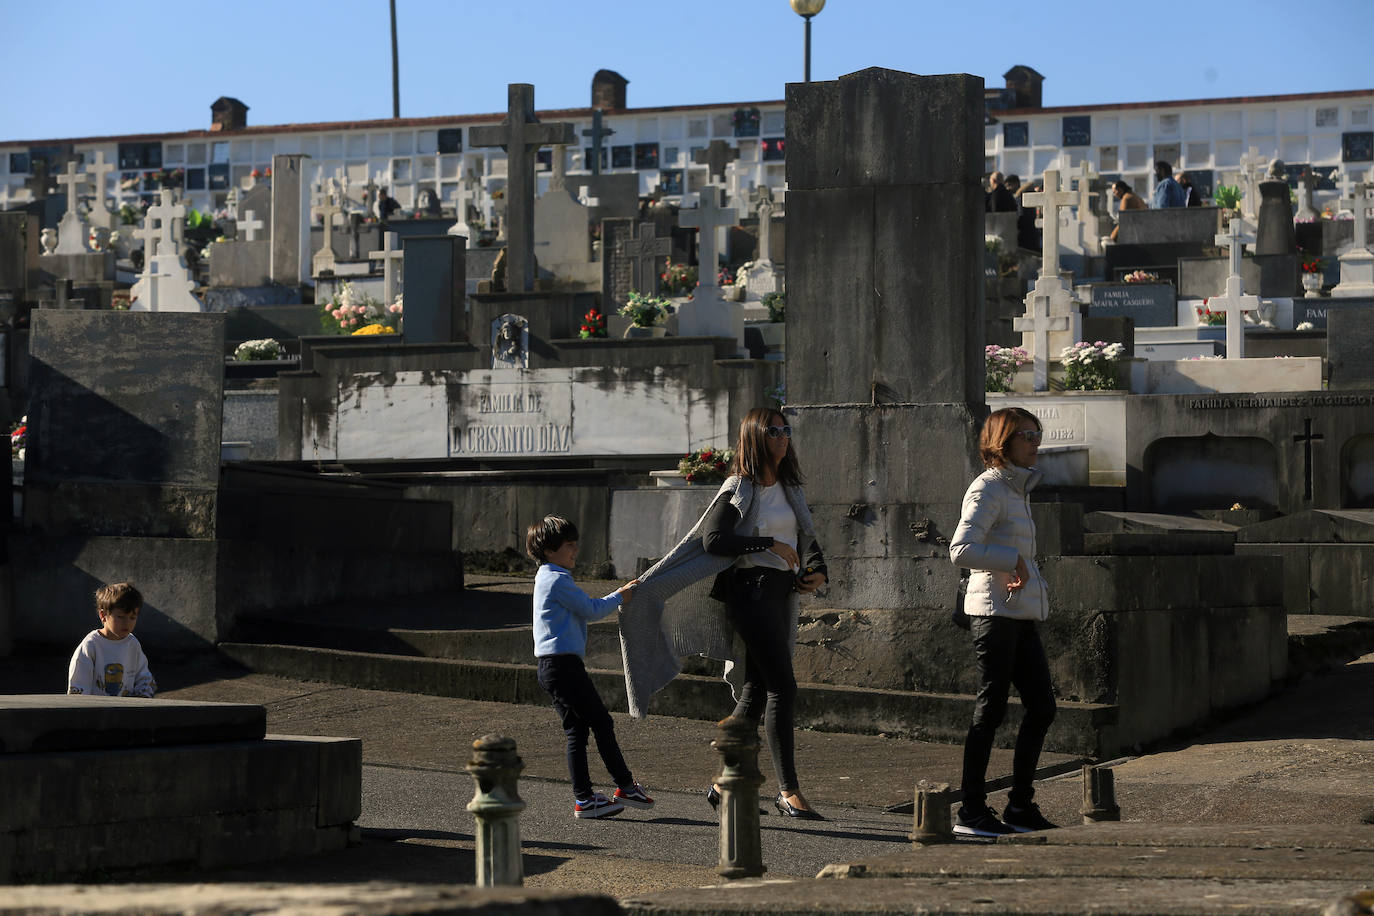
column 886, row 393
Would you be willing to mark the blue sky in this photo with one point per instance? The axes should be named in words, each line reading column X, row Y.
column 91, row 68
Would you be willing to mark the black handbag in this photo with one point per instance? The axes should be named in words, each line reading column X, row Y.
column 957, row 616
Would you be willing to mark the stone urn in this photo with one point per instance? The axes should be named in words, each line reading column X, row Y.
column 48, row 239
column 635, row 331
column 1312, row 283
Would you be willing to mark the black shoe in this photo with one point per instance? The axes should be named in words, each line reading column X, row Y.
column 980, row 823
column 787, row 808
column 1025, row 819
column 713, row 798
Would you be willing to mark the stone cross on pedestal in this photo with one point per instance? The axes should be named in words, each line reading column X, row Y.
column 1038, row 323
column 596, row 135
column 1251, row 174
column 149, row 234
column 1051, row 199
column 716, row 157
column 1307, row 185
column 166, row 284
column 1234, row 301
column 248, row 226
column 99, row 170
column 763, row 200
column 37, row 183
column 520, row 135
column 72, row 235
column 170, row 216
column 708, row 216
column 1357, row 263
column 324, row 258
column 644, row 250
column 392, row 256
column 1086, row 176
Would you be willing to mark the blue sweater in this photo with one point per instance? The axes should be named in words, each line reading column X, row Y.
column 562, row 611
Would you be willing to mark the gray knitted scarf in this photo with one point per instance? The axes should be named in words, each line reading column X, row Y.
column 668, row 619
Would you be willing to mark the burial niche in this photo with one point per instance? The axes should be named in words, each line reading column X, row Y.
column 1211, row 472
column 1357, row 473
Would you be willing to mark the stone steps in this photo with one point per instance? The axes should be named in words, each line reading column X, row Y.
column 824, row 707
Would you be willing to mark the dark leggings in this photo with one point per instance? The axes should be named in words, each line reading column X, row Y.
column 760, row 615
column 1009, row 654
column 579, row 706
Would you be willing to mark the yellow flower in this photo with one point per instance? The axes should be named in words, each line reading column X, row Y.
column 372, row 329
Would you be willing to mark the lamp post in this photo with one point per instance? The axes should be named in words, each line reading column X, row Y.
column 806, row 9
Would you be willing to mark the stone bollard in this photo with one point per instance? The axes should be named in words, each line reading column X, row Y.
column 741, row 848
column 1099, row 795
column 932, row 822
column 496, row 806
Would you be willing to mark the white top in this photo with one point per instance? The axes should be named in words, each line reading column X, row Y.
column 110, row 667
column 775, row 520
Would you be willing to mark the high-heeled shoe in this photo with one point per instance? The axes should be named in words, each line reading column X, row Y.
column 713, row 798
column 790, row 810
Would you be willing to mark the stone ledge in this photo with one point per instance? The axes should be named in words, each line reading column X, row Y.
column 40, row 722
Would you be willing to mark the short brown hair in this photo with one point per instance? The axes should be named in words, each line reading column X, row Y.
column 118, row 596
column 998, row 429
column 550, row 534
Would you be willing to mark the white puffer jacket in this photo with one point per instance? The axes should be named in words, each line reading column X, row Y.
column 995, row 527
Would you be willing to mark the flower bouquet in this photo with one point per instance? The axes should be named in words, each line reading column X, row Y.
column 1313, row 265
column 593, row 325
column 1208, row 317
column 250, row 350
column 1001, row 364
column 1091, row 366
column 678, row 279
column 351, row 312
column 706, row 465
column 645, row 311
column 19, row 438
column 776, row 303
column 1140, row 276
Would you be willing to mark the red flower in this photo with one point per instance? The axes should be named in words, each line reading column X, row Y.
column 706, row 455
column 720, row 465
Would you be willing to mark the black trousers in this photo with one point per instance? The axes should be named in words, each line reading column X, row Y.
column 1009, row 654
column 759, row 614
column 579, row 707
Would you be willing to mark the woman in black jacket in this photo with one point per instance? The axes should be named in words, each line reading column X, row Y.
column 759, row 588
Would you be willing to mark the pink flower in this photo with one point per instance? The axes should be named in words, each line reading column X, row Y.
column 395, row 309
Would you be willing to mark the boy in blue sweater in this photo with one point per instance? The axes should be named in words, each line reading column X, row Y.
column 561, row 613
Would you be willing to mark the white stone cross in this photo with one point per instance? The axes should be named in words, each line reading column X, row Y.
column 1234, row 301
column 1040, row 323
column 391, row 256
column 1355, row 198
column 170, row 217
column 324, row 258
column 248, row 226
column 708, row 216
column 1086, row 176
column 150, row 236
column 585, row 198
column 1051, row 199
column 73, row 182
column 98, row 170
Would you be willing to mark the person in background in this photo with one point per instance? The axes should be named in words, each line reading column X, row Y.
column 1127, row 199
column 999, row 199
column 1167, row 193
column 1191, row 194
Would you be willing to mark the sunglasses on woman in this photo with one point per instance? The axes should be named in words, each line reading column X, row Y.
column 1030, row 435
column 779, row 432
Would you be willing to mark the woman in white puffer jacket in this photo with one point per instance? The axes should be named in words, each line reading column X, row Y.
column 1006, row 601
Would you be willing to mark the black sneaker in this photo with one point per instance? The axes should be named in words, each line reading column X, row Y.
column 980, row 824
column 1026, row 819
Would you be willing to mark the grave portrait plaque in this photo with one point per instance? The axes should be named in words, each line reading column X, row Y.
column 510, row 342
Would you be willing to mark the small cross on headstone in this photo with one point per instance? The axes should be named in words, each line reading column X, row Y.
column 1086, row 176
column 708, row 215
column 1251, row 173
column 72, row 235
column 248, row 226
column 643, row 250
column 1234, row 301
column 597, row 134
column 37, row 183
column 1040, row 323
column 1355, row 198
column 716, row 157
column 1307, row 438
column 98, row 170
column 72, row 181
column 520, row 135
column 392, row 256
column 324, row 258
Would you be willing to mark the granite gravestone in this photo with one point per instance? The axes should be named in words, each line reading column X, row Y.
column 1284, row 451
column 617, row 271
column 125, row 417
column 562, row 229
column 1149, row 305
column 290, row 262
column 18, row 250
column 1350, row 347
column 902, row 362
column 1316, row 311
column 436, row 284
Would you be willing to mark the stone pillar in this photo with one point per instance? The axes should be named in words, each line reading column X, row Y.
column 435, row 271
column 496, row 807
column 741, row 848
column 885, row 323
column 932, row 823
column 1099, row 795
column 290, row 264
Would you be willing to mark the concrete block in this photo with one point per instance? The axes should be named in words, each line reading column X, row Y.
column 31, row 723
column 339, row 781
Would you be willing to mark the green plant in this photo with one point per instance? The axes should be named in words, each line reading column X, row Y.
column 1091, row 366
column 706, row 465
column 1001, row 364
column 645, row 311
column 776, row 303
column 250, row 350
column 1226, row 195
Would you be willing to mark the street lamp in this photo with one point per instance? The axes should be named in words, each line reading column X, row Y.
column 806, row 9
